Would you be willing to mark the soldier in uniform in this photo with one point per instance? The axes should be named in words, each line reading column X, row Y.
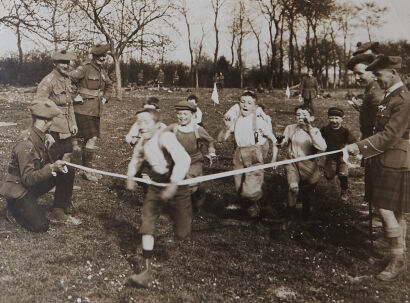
column 309, row 88
column 388, row 153
column 95, row 88
column 56, row 86
column 31, row 173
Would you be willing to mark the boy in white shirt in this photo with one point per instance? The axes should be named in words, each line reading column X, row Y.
column 169, row 163
column 302, row 139
column 251, row 132
column 197, row 118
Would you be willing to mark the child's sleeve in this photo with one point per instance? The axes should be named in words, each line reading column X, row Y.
column 198, row 116
column 266, row 128
column 350, row 137
column 286, row 135
column 317, row 140
column 133, row 133
column 182, row 160
column 206, row 137
column 136, row 159
column 232, row 113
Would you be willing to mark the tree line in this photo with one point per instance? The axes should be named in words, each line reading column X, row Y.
column 315, row 34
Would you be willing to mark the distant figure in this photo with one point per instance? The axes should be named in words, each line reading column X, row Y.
column 160, row 78
column 309, row 89
column 221, row 81
column 175, row 79
column 140, row 78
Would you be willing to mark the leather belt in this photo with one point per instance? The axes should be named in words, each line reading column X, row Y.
column 90, row 92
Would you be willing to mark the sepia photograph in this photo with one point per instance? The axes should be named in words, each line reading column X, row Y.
column 190, row 151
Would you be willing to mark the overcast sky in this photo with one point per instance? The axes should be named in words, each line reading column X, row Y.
column 397, row 27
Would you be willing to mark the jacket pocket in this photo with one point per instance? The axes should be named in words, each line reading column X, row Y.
column 12, row 188
column 397, row 157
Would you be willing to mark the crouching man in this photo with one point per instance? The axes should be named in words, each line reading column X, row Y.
column 169, row 163
column 30, row 173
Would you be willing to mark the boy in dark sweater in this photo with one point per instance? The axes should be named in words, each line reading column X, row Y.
column 336, row 137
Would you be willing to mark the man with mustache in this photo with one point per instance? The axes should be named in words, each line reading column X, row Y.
column 388, row 153
column 94, row 88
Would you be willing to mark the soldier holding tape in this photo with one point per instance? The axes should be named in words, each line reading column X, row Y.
column 388, row 153
column 31, row 173
column 94, row 88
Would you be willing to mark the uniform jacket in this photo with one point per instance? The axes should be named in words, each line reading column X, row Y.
column 391, row 141
column 309, row 88
column 29, row 164
column 57, row 87
column 93, row 85
column 373, row 94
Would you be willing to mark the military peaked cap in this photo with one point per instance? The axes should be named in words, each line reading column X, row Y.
column 100, row 49
column 44, row 108
column 63, row 55
column 363, row 47
column 385, row 62
column 185, row 105
column 360, row 58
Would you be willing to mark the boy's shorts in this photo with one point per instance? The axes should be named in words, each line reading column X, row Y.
column 335, row 166
column 307, row 171
column 249, row 185
column 180, row 208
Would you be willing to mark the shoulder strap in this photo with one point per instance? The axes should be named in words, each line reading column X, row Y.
column 255, row 127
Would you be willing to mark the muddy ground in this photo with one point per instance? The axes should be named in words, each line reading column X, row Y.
column 324, row 259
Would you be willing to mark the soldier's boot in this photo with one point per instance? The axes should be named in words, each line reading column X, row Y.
column 397, row 264
column 58, row 215
column 77, row 153
column 88, row 158
column 144, row 278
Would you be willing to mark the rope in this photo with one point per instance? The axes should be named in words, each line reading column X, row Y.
column 217, row 175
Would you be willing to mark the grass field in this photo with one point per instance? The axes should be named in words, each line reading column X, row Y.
column 321, row 260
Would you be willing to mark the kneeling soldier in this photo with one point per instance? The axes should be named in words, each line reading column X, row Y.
column 30, row 173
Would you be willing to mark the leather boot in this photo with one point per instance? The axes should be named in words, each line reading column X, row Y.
column 144, row 278
column 88, row 157
column 396, row 266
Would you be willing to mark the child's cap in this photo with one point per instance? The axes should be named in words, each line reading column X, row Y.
column 335, row 111
column 152, row 102
column 192, row 97
column 185, row 105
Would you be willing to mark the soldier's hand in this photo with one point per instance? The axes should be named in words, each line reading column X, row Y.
column 169, row 192
column 74, row 130
column 131, row 184
column 49, row 141
column 104, row 101
column 353, row 149
column 58, row 166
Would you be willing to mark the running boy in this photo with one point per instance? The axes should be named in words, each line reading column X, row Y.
column 250, row 131
column 169, row 163
column 336, row 137
column 302, row 140
column 191, row 136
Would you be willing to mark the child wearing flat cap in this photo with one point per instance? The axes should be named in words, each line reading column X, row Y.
column 191, row 136
column 336, row 137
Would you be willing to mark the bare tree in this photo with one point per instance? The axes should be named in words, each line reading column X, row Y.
column 121, row 22
column 271, row 10
column 256, row 30
column 216, row 6
column 371, row 15
column 242, row 31
column 184, row 12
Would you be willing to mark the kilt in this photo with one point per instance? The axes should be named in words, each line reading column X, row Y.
column 60, row 147
column 88, row 126
column 390, row 187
